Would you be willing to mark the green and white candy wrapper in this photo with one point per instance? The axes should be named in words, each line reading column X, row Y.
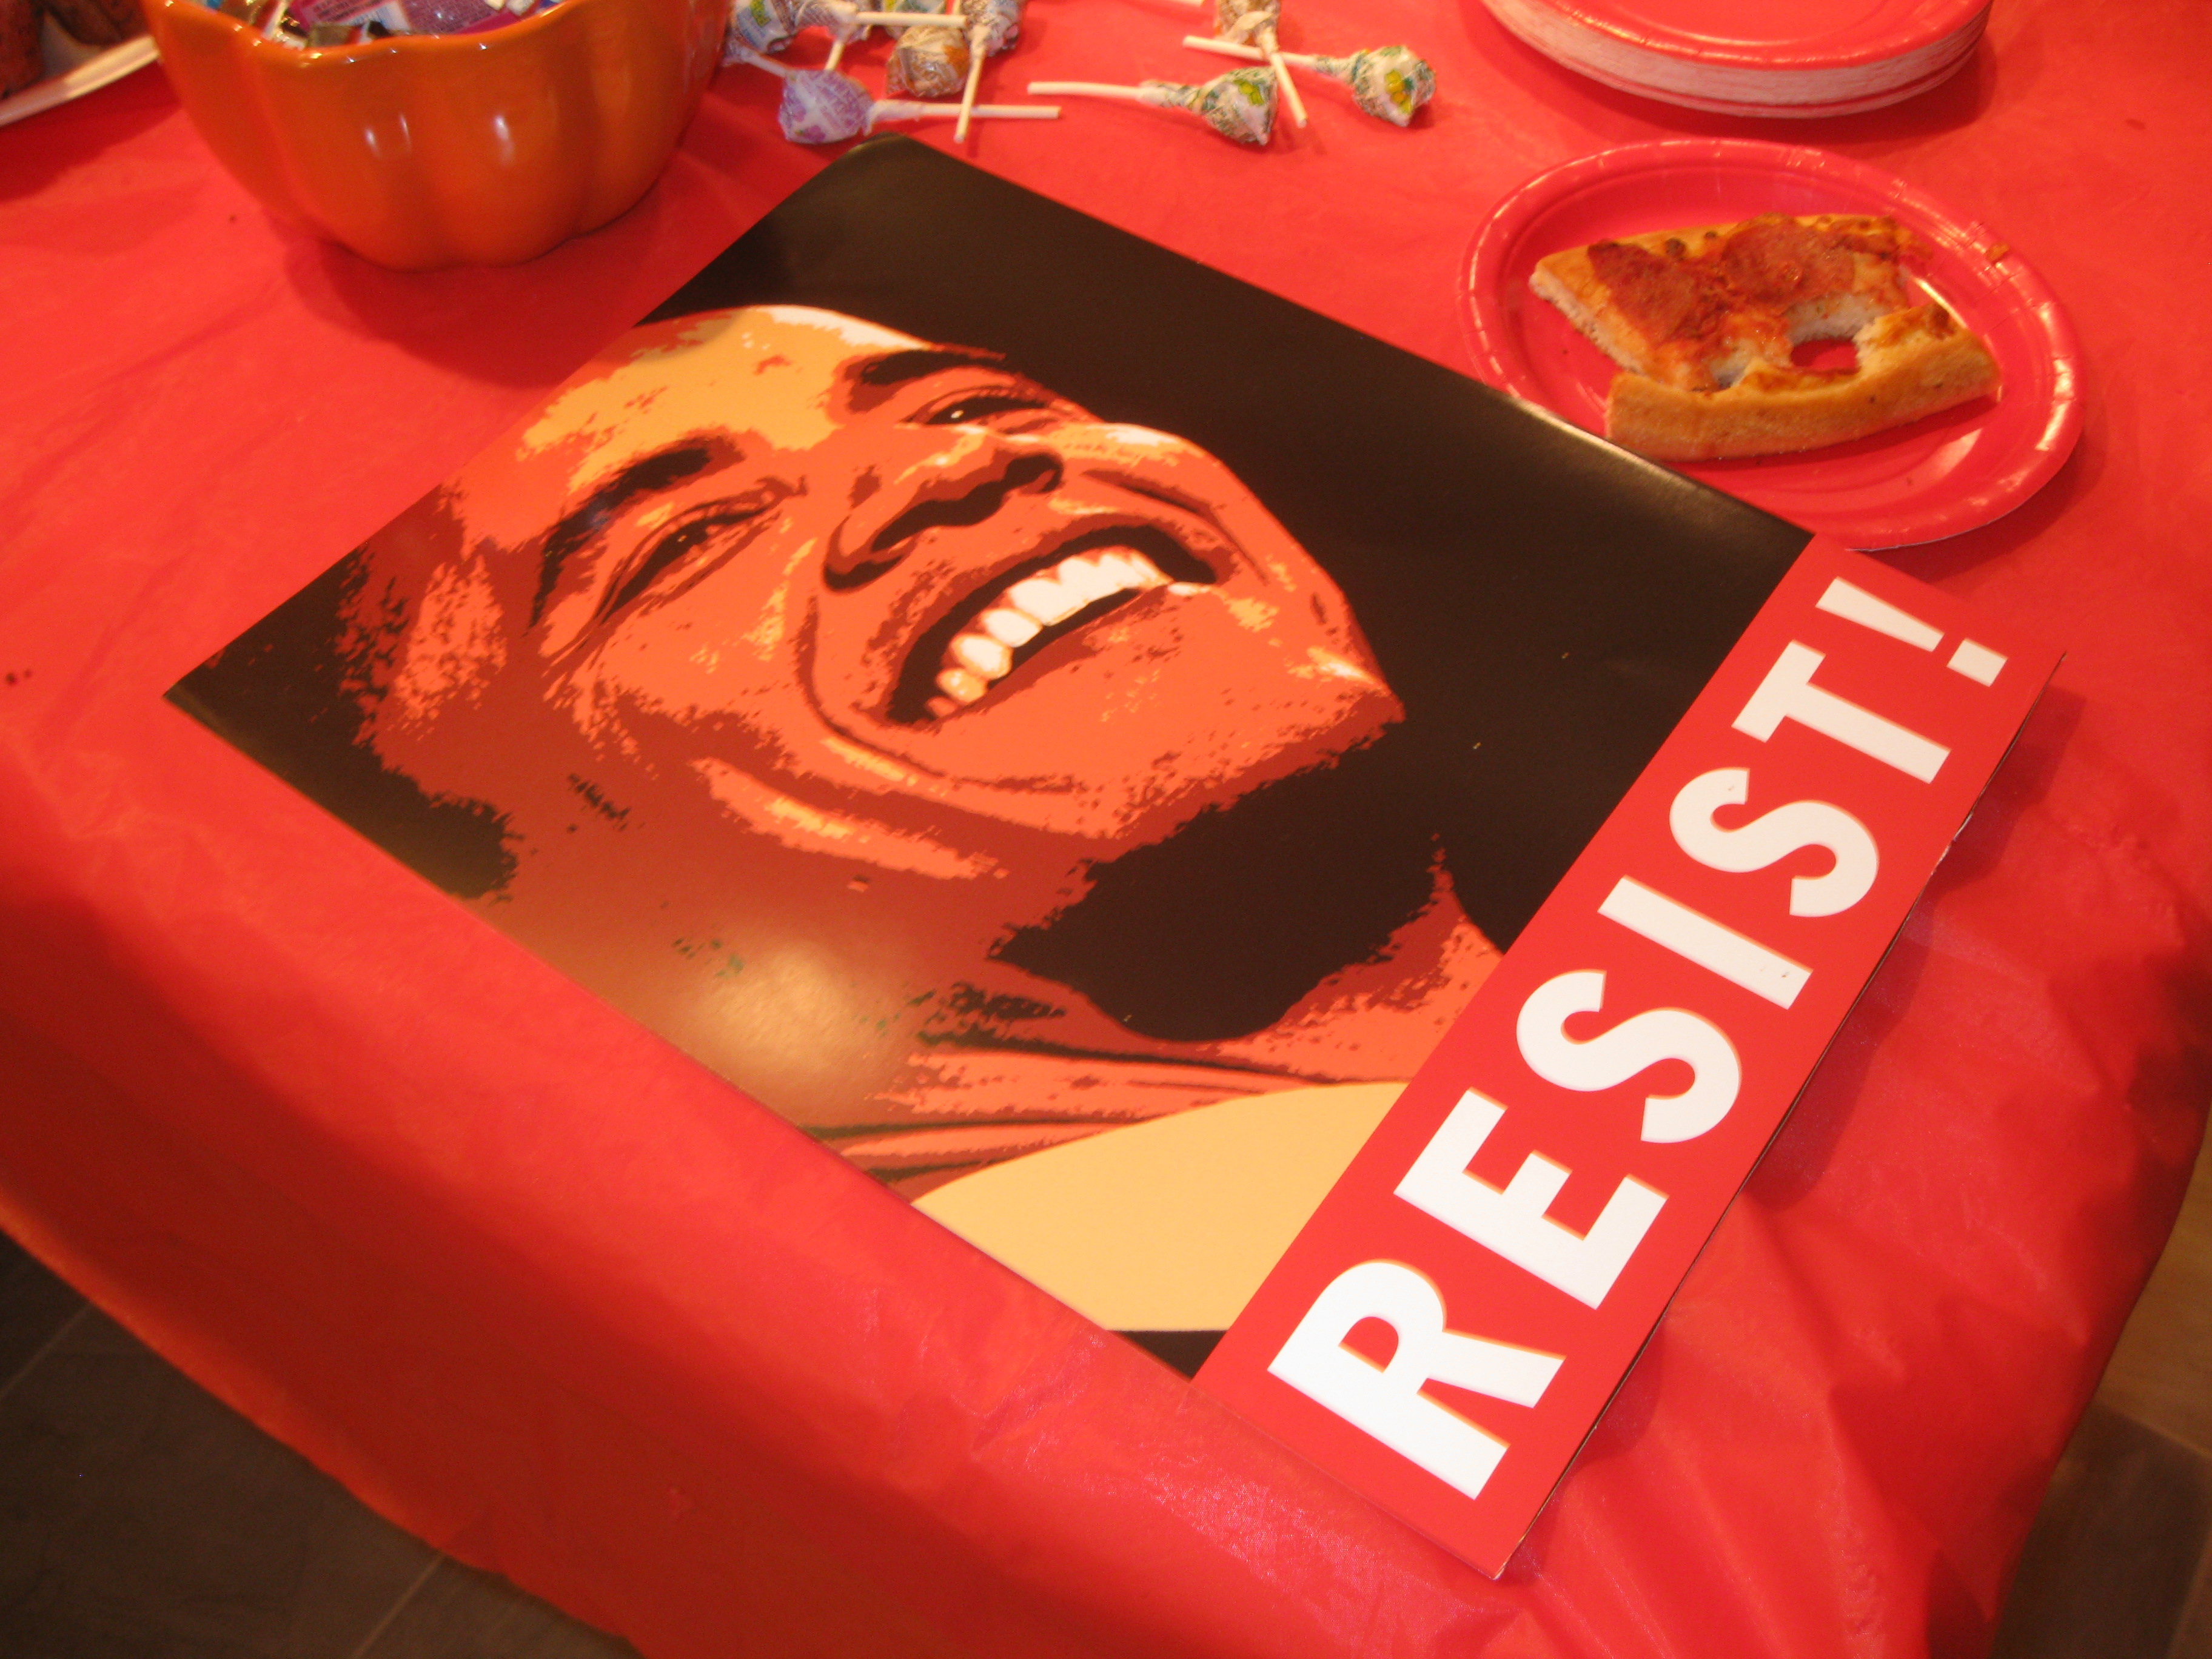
column 770, row 25
column 1253, row 23
column 1240, row 105
column 999, row 21
column 1389, row 82
column 757, row 26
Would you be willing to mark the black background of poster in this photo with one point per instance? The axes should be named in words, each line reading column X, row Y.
column 1545, row 605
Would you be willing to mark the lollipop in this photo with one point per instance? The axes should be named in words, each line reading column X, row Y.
column 1240, row 105
column 768, row 26
column 841, row 19
column 758, row 26
column 852, row 24
column 999, row 22
column 821, row 106
column 930, row 61
column 1389, row 82
column 1253, row 22
column 992, row 25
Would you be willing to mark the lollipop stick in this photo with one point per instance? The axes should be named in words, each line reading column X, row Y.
column 1250, row 54
column 975, row 51
column 1083, row 89
column 836, row 55
column 1282, row 74
column 912, row 110
column 1224, row 48
column 747, row 55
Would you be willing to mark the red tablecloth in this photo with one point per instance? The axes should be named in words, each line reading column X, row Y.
column 552, row 1296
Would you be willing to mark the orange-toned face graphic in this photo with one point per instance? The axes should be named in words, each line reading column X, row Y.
column 786, row 642
column 825, row 564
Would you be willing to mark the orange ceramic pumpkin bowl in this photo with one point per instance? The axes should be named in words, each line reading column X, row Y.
column 420, row 151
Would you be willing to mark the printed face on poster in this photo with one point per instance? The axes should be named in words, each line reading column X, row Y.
column 1279, row 699
column 1069, row 731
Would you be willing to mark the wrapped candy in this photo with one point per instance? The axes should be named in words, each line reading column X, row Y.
column 854, row 27
column 992, row 26
column 1253, row 22
column 387, row 16
column 840, row 19
column 1240, row 105
column 1389, row 82
column 997, row 22
column 758, row 26
column 821, row 106
column 930, row 61
column 1240, row 20
column 768, row 26
column 765, row 26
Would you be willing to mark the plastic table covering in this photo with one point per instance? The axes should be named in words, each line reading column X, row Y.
column 550, row 1295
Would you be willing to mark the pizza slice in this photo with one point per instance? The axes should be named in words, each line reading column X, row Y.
column 1704, row 323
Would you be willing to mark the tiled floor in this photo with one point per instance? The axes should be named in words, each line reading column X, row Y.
column 139, row 1519
column 2120, row 1563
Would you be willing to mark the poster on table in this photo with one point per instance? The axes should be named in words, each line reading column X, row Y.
column 1330, row 872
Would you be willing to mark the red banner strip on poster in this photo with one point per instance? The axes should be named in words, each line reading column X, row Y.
column 1446, row 1330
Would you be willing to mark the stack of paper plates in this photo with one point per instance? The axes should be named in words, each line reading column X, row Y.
column 1771, row 58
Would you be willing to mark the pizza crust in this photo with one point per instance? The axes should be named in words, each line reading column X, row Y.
column 1911, row 363
column 1722, row 385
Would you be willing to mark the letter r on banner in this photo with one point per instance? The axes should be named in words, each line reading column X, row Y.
column 1386, row 1400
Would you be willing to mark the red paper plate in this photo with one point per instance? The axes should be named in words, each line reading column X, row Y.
column 1763, row 35
column 1812, row 99
column 1934, row 479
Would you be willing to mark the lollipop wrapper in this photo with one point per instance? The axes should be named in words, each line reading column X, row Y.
column 404, row 16
column 929, row 63
column 831, row 15
column 1389, row 82
column 999, row 20
column 759, row 25
column 1244, row 20
column 821, row 107
column 1240, row 105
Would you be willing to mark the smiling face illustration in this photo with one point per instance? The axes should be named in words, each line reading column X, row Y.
column 818, row 674
column 898, row 583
